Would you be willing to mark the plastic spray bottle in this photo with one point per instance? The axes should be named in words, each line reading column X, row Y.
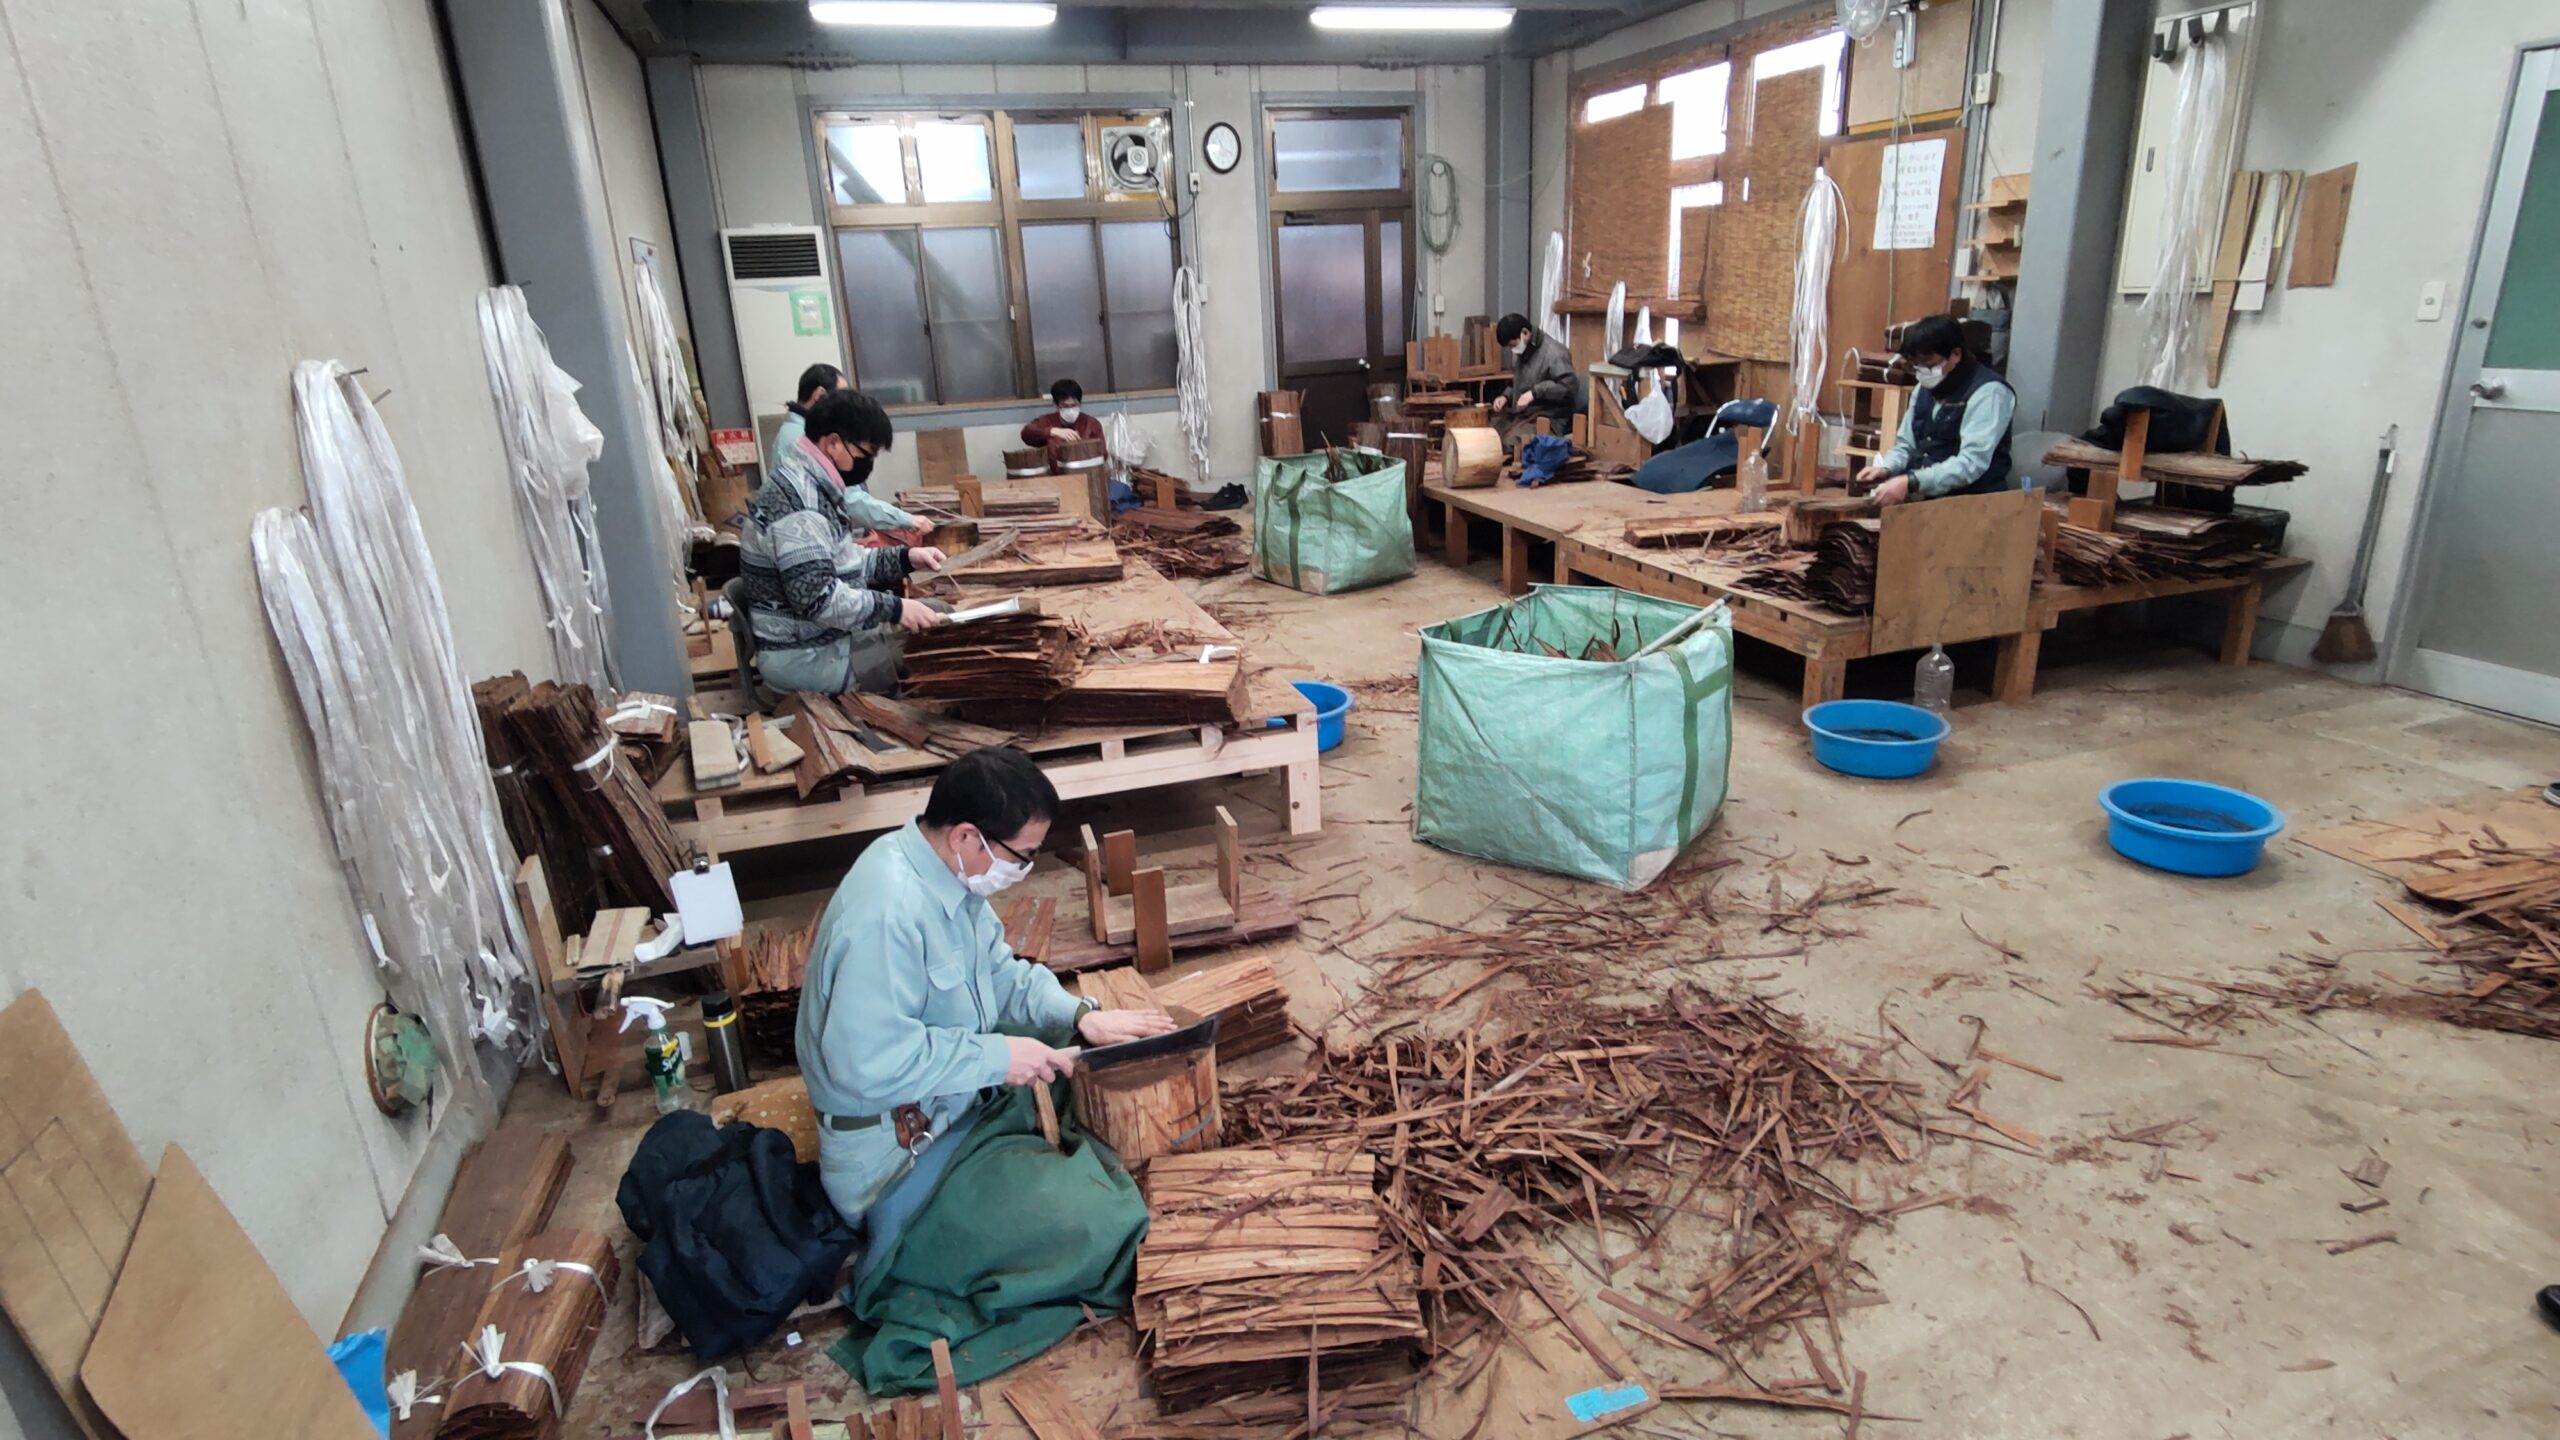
column 661, row 1056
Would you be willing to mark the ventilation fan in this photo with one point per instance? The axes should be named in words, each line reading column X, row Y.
column 1132, row 159
column 1862, row 18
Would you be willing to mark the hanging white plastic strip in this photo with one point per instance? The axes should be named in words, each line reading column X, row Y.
column 680, row 429
column 1809, row 324
column 1551, row 288
column 1191, row 370
column 549, row 444
column 2194, row 182
column 1614, row 338
column 719, row 1379
column 352, row 597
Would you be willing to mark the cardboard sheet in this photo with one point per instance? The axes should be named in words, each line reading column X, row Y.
column 72, row 1187
column 2442, row 839
column 200, row 1342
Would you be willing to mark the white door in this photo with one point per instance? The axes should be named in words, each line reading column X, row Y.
column 2483, row 599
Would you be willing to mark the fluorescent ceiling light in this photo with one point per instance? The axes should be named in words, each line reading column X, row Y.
column 1411, row 17
column 934, row 14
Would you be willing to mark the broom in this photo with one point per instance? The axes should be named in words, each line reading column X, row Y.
column 2345, row 640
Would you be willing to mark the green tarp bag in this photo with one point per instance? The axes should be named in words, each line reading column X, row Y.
column 1598, row 768
column 1327, row 536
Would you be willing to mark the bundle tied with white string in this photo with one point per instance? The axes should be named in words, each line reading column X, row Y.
column 357, row 610
column 550, row 443
column 532, row 1338
column 1809, row 323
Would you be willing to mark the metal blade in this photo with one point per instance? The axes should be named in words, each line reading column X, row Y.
column 1193, row 1036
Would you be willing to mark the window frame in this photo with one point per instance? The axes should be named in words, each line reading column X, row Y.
column 1006, row 214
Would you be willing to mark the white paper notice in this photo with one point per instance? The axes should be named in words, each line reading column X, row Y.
column 1907, row 195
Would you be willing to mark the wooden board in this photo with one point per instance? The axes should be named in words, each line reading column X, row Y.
column 1043, row 1404
column 1087, row 560
column 1620, row 203
column 1188, row 909
column 1262, row 916
column 2320, row 226
column 1870, row 288
column 200, row 1342
column 942, row 457
column 504, row 1193
column 1959, row 568
column 72, row 1187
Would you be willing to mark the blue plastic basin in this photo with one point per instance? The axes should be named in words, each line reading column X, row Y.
column 1879, row 739
column 1332, row 702
column 2188, row 827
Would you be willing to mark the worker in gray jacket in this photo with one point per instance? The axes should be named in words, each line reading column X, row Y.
column 1543, row 385
column 828, row 611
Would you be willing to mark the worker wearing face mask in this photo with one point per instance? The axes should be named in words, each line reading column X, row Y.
column 1955, row 435
column 864, row 508
column 909, row 977
column 1543, row 385
column 828, row 612
column 1067, row 422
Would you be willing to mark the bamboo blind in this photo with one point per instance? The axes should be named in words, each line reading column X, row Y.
column 1620, row 210
column 1751, row 284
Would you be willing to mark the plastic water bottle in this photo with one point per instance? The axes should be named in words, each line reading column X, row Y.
column 1751, row 477
column 1933, row 682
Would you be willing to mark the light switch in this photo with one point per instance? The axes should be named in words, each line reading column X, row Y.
column 2431, row 300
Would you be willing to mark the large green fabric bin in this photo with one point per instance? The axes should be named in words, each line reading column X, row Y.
column 1326, row 536
column 1596, row 768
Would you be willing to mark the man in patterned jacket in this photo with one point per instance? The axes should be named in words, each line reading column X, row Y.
column 827, row 609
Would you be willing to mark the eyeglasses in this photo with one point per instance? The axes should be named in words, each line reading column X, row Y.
column 1018, row 857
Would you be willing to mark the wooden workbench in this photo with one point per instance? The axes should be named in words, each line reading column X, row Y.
column 1553, row 513
column 2242, row 594
column 766, row 810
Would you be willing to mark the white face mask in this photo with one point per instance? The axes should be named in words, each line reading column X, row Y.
column 1929, row 376
column 1520, row 349
column 1001, row 875
column 1069, row 413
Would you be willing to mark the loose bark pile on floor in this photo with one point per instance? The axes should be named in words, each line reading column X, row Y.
column 1621, row 1118
column 1187, row 544
column 1260, row 1264
column 2497, row 928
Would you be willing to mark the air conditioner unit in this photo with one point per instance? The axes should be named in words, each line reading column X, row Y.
column 1133, row 159
column 784, row 311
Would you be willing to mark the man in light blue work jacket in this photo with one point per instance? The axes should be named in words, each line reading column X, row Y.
column 909, row 976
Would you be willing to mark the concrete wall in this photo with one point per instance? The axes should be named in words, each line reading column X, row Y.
column 757, row 118
column 634, row 194
column 193, row 198
column 2413, row 95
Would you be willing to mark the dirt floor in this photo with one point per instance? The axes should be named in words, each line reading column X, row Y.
column 2098, row 1288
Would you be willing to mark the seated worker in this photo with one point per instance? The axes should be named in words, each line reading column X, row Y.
column 868, row 510
column 978, row 1230
column 1955, row 435
column 824, row 606
column 1543, row 385
column 910, row 976
column 1067, row 422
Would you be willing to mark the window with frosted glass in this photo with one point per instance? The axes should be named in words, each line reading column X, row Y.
column 1339, row 153
column 1137, row 277
column 1066, row 306
column 1391, row 296
column 972, row 331
column 952, row 163
column 884, row 308
column 1048, row 160
column 866, row 164
column 1324, row 293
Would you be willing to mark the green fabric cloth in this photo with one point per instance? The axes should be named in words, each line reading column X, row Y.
column 1326, row 536
column 1003, row 1257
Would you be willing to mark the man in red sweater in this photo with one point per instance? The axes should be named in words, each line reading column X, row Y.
column 1069, row 422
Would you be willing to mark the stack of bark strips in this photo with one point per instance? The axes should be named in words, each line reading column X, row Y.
column 1078, row 553
column 1189, row 544
column 766, row 968
column 1246, row 996
column 1689, row 531
column 1805, row 518
column 503, row 1196
column 1839, row 572
column 1135, row 906
column 2180, row 467
column 537, row 823
column 715, row 755
column 921, row 727
column 831, row 753
column 1007, row 661
column 1013, row 498
column 1280, row 413
column 1436, row 412
column 560, row 731
column 1119, row 689
column 1026, row 464
column 1163, row 1106
column 548, row 1318
column 1160, row 491
column 1270, row 1269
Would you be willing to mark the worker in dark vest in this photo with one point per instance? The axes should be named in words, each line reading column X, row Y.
column 1955, row 436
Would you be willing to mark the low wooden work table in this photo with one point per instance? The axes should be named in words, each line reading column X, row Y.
column 1555, row 513
column 765, row 810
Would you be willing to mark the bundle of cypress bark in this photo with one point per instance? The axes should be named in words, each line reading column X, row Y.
column 545, row 1311
column 562, row 733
